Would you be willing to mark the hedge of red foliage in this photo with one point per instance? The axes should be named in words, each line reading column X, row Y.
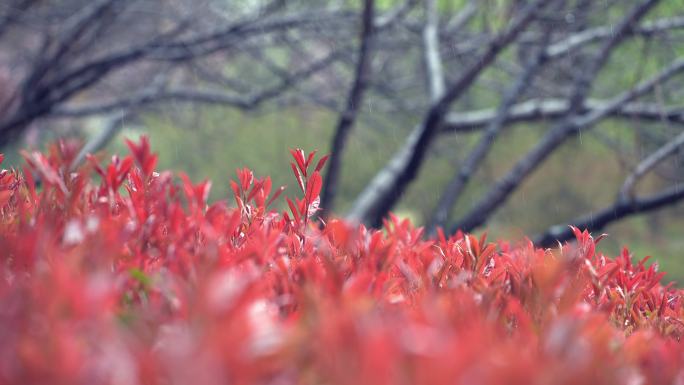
column 132, row 278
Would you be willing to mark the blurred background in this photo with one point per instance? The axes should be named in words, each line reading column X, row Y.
column 518, row 117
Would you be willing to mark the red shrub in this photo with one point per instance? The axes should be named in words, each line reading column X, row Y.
column 135, row 279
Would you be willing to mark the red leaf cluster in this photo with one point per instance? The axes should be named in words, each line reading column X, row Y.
column 133, row 278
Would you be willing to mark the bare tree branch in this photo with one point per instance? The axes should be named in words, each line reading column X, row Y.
column 575, row 41
column 389, row 184
column 462, row 17
column 79, row 58
column 159, row 94
column 551, row 109
column 502, row 189
column 354, row 100
column 524, row 167
column 12, row 11
column 433, row 61
column 596, row 221
column 452, row 192
column 627, row 190
column 392, row 16
column 49, row 84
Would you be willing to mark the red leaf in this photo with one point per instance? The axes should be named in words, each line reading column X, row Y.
column 309, row 159
column 298, row 156
column 143, row 154
column 48, row 173
column 246, row 177
column 293, row 208
column 313, row 187
column 202, row 192
column 188, row 188
column 258, row 186
column 96, row 164
column 275, row 195
column 600, row 238
column 124, row 168
column 236, row 189
column 321, row 163
column 301, row 205
column 2, row 157
column 150, row 165
column 5, row 197
column 266, row 188
column 30, row 184
column 300, row 180
column 578, row 233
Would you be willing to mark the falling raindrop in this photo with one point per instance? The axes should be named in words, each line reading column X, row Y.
column 579, row 133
